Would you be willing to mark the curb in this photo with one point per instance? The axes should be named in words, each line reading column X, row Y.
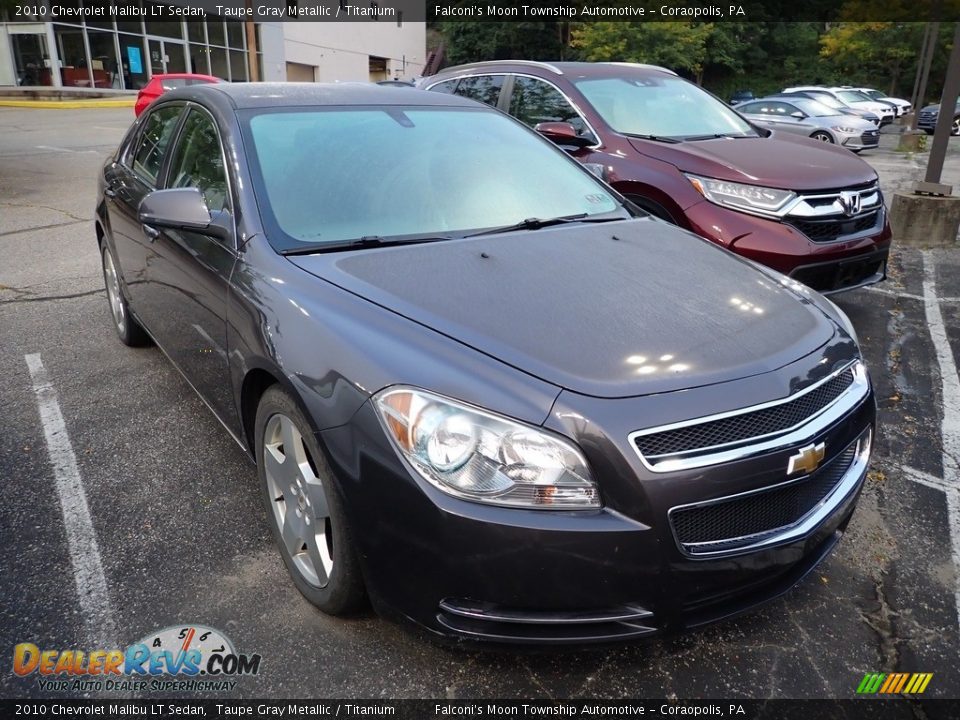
column 69, row 104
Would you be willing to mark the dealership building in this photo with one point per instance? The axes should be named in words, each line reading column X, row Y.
column 97, row 48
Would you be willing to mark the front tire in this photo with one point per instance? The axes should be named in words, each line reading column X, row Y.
column 822, row 136
column 128, row 329
column 304, row 507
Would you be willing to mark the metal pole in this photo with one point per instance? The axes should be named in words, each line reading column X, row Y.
column 923, row 53
column 921, row 94
column 941, row 136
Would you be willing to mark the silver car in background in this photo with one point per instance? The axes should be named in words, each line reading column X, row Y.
column 805, row 116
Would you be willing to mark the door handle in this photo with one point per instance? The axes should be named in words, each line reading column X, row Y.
column 151, row 232
column 110, row 192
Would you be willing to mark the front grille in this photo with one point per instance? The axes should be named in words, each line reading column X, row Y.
column 870, row 137
column 836, row 228
column 729, row 523
column 745, row 426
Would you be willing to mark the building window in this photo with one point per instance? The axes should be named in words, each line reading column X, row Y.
column 103, row 59
column 73, row 56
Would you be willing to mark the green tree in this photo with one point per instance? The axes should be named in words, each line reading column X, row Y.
column 680, row 46
column 871, row 51
column 471, row 41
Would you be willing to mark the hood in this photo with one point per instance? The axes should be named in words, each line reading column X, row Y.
column 785, row 161
column 613, row 310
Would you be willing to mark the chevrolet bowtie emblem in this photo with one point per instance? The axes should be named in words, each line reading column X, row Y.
column 807, row 459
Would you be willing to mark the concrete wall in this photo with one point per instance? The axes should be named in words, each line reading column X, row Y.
column 8, row 75
column 341, row 51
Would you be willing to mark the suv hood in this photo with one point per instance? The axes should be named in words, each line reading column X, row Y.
column 613, row 310
column 784, row 161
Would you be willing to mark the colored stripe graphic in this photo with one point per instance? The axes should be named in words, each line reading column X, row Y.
column 894, row 683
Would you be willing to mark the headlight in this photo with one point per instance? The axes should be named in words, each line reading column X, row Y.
column 842, row 129
column 750, row 198
column 479, row 456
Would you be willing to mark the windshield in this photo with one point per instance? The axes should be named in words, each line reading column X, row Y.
column 813, row 108
column 875, row 94
column 332, row 175
column 828, row 100
column 852, row 96
column 661, row 106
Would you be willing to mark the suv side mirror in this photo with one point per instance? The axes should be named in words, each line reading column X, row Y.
column 180, row 209
column 563, row 133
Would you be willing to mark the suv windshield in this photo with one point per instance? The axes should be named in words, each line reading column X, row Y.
column 852, row 96
column 666, row 107
column 335, row 175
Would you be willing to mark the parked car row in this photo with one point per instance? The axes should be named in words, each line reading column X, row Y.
column 867, row 103
column 803, row 115
column 480, row 387
column 808, row 209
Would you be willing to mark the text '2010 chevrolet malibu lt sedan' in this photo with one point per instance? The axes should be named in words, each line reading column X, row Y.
column 480, row 388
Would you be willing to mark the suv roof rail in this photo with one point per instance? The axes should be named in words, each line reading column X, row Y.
column 547, row 66
column 642, row 65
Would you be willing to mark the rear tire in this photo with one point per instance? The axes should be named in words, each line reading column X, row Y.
column 128, row 329
column 305, row 508
column 822, row 136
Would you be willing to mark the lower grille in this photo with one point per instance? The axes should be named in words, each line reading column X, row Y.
column 871, row 137
column 842, row 274
column 836, row 228
column 487, row 621
column 730, row 523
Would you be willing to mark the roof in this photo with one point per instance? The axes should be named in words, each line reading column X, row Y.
column 289, row 94
column 558, row 68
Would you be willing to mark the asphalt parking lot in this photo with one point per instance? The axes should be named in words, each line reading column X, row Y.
column 183, row 539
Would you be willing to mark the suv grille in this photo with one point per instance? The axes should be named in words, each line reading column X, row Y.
column 746, row 426
column 728, row 523
column 835, row 228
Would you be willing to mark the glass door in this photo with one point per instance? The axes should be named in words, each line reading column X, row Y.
column 31, row 59
column 166, row 56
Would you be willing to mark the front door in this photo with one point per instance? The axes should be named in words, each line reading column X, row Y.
column 166, row 56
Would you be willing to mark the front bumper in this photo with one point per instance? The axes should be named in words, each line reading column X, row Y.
column 859, row 141
column 467, row 571
column 787, row 249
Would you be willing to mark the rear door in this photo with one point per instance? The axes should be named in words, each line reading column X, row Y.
column 128, row 180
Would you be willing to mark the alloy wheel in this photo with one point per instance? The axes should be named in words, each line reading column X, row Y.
column 113, row 292
column 955, row 128
column 822, row 136
column 300, row 508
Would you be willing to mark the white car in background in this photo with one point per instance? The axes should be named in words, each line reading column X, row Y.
column 900, row 105
column 853, row 99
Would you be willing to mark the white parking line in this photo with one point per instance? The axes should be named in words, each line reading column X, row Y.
column 81, row 538
column 950, row 426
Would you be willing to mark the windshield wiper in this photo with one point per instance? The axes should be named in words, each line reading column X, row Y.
column 656, row 138
column 534, row 223
column 367, row 241
column 717, row 136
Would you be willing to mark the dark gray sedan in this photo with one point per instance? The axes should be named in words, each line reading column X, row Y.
column 480, row 388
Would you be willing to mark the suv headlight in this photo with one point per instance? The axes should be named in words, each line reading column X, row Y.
column 748, row 198
column 476, row 455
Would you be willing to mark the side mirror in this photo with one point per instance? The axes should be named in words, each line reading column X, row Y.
column 798, row 115
column 563, row 133
column 180, row 209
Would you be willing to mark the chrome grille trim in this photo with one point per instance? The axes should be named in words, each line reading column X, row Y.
column 827, row 205
column 728, row 547
column 744, row 448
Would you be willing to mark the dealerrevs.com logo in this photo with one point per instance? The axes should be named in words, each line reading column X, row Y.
column 189, row 658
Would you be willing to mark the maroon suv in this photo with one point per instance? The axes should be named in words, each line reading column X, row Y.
column 808, row 209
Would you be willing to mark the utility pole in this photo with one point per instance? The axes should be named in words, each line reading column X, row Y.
column 927, row 60
column 941, row 135
column 916, row 80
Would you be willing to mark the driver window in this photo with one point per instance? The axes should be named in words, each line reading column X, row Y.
column 198, row 162
column 534, row 101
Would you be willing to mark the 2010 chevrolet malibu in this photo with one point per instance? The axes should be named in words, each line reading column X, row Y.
column 481, row 388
